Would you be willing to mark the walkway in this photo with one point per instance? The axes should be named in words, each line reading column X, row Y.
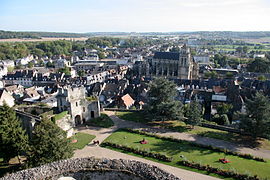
column 263, row 153
column 102, row 133
column 99, row 152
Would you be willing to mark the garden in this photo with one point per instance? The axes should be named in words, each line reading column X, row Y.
column 80, row 140
column 180, row 126
column 186, row 155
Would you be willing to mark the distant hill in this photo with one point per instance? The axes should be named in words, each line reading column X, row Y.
column 202, row 34
column 38, row 35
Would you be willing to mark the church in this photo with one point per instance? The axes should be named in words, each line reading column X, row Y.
column 172, row 65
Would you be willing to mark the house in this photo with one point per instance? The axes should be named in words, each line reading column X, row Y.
column 126, row 101
column 24, row 78
column 24, row 61
column 50, row 100
column 3, row 70
column 15, row 90
column 61, row 63
column 31, row 95
column 5, row 97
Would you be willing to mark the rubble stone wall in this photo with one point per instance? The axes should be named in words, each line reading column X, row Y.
column 75, row 167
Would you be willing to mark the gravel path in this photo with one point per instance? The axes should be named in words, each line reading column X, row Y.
column 99, row 152
column 263, row 153
column 102, row 133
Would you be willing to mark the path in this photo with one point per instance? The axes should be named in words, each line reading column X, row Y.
column 102, row 133
column 258, row 152
column 99, row 152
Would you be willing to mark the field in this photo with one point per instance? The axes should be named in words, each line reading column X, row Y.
column 185, row 151
column 42, row 39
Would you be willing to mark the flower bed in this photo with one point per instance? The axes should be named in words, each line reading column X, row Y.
column 228, row 152
column 138, row 151
column 225, row 173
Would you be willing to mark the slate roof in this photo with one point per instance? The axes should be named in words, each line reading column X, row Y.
column 167, row 55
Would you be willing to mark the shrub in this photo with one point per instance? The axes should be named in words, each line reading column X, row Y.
column 225, row 173
column 138, row 151
column 226, row 151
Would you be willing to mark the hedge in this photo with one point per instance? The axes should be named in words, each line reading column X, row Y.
column 225, row 173
column 216, row 149
column 138, row 151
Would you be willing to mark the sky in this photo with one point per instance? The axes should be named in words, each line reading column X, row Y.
column 134, row 15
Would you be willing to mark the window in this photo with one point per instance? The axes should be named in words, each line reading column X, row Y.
column 83, row 109
column 76, row 104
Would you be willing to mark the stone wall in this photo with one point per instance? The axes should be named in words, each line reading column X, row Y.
column 75, row 167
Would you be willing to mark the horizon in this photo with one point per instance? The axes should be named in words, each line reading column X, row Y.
column 84, row 16
column 29, row 31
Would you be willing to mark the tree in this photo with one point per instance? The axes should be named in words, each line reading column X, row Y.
column 193, row 113
column 262, row 78
column 256, row 120
column 81, row 73
column 161, row 100
column 30, row 65
column 13, row 138
column 229, row 75
column 211, row 74
column 259, row 65
column 224, row 108
column 101, row 55
column 48, row 144
column 65, row 70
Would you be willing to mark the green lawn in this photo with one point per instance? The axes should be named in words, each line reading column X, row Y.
column 82, row 140
column 103, row 121
column 196, row 154
column 132, row 116
column 198, row 130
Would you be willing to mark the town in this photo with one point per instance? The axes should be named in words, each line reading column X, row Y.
column 156, row 84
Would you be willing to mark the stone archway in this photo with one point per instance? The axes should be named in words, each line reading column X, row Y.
column 78, row 120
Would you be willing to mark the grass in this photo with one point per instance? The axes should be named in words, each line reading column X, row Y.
column 132, row 116
column 82, row 140
column 196, row 154
column 103, row 121
column 60, row 115
column 180, row 126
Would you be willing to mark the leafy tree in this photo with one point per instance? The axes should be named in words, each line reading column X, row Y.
column 262, row 78
column 220, row 59
column 211, row 74
column 13, row 138
column 49, row 143
column 256, row 120
column 65, row 70
column 259, row 65
column 193, row 113
column 101, row 55
column 229, row 75
column 224, row 108
column 50, row 64
column 81, row 73
column 221, row 119
column 30, row 65
column 162, row 104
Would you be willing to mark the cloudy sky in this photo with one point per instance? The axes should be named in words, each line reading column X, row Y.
column 134, row 15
